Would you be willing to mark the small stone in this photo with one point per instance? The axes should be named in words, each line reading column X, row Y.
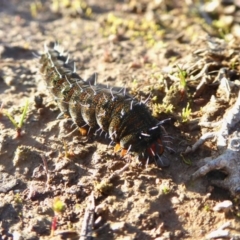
column 114, row 38
column 38, row 99
column 160, row 228
column 9, row 80
column 175, row 201
column 155, row 215
column 181, row 197
column 111, row 199
column 227, row 20
column 178, row 234
column 236, row 30
column 44, row 210
column 229, row 9
column 224, row 206
column 236, row 3
column 218, row 234
column 98, row 220
column 100, row 208
column 23, row 76
column 117, row 226
column 96, row 158
column 157, row 181
column 17, row 236
column 4, row 237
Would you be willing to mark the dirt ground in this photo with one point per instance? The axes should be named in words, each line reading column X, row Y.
column 180, row 53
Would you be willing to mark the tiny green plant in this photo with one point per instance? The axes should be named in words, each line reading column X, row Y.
column 186, row 112
column 18, row 199
column 104, row 186
column 58, row 205
column 73, row 5
column 182, row 75
column 233, row 64
column 166, row 190
column 35, row 8
column 65, row 149
column 183, row 83
column 222, row 28
column 186, row 160
column 18, row 125
column 207, row 208
column 169, row 108
column 58, row 208
column 68, row 152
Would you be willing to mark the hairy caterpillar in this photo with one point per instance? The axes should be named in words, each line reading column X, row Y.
column 128, row 122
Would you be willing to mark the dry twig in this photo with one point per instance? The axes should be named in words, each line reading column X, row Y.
column 88, row 221
column 45, row 167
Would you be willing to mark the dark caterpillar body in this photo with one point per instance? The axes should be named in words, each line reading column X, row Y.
column 128, row 122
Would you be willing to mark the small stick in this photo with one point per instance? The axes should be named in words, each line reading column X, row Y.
column 230, row 120
column 69, row 134
column 88, row 220
column 200, row 141
column 45, row 167
column 118, row 172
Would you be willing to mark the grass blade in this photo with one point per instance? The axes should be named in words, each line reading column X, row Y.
column 11, row 119
column 23, row 115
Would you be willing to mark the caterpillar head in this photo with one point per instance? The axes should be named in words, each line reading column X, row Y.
column 145, row 144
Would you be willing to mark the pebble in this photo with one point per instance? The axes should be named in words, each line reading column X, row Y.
column 100, row 208
column 117, row 226
column 236, row 30
column 9, row 80
column 17, row 236
column 218, row 234
column 175, row 200
column 224, row 206
column 98, row 220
